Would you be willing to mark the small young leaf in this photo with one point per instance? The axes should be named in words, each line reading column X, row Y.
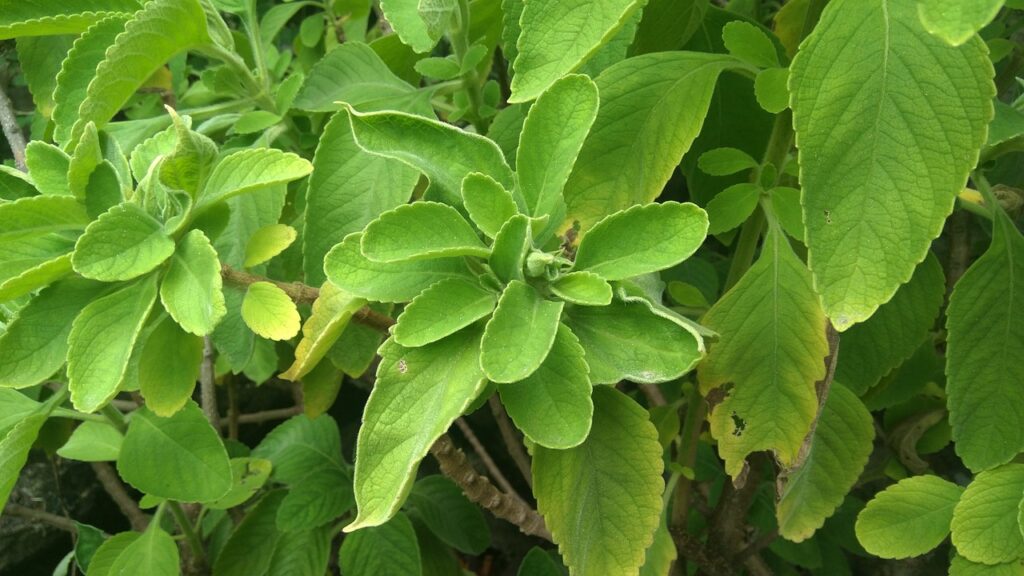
column 955, row 21
column 520, row 333
column 249, row 170
column 93, row 442
column 488, row 204
column 732, row 206
column 642, row 239
column 750, row 44
column 909, row 518
column 389, row 549
column 269, row 312
column 583, row 288
column 443, row 309
column 420, row 231
column 332, row 311
column 725, row 161
column 124, row 243
column 268, row 242
column 440, row 504
column 154, row 553
column 771, row 90
column 192, row 288
column 169, row 367
column 985, row 527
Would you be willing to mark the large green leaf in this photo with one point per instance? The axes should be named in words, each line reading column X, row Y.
column 150, row 38
column 346, row 267
column 882, row 156
column 842, row 441
column 304, row 553
column 956, row 21
column 42, row 18
column 38, row 215
column 545, row 53
column 602, row 499
column 250, row 549
column 169, row 367
column 642, row 239
column 191, row 291
column 332, row 311
column 418, row 394
column 985, row 321
column 909, row 518
column 178, row 458
column 249, row 170
column 389, row 549
column 35, row 343
column 985, row 527
column 125, row 242
column 443, row 309
column 420, row 231
column 652, row 108
column 771, row 351
column 101, row 340
column 552, row 406
column 520, row 333
column 154, row 553
column 441, row 505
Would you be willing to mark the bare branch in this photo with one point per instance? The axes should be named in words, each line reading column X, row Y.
column 12, row 131
column 112, row 484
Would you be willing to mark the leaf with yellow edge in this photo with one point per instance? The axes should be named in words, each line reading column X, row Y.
column 268, row 242
column 269, row 312
column 332, row 311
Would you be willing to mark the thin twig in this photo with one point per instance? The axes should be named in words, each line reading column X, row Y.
column 112, row 484
column 267, row 416
column 653, row 394
column 208, row 385
column 40, row 515
column 479, row 489
column 511, row 438
column 12, row 131
column 485, row 457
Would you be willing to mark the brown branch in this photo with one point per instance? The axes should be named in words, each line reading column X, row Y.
column 511, row 438
column 40, row 515
column 112, row 484
column 9, row 124
column 485, row 457
column 266, row 416
column 479, row 489
column 208, row 385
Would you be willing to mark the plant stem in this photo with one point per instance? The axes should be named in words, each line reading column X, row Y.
column 115, row 417
column 208, row 385
column 113, row 486
column 40, row 515
column 513, row 443
column 76, row 415
column 485, row 457
column 194, row 542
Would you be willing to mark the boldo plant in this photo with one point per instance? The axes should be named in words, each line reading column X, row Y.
column 662, row 287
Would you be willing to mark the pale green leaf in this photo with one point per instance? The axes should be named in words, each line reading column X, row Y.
column 38, row 215
column 772, row 351
column 270, row 312
column 389, row 549
column 909, row 518
column 642, row 239
column 771, row 89
column 249, row 170
column 154, row 554
column 418, row 394
column 268, row 242
column 488, row 204
column 31, row 262
column 441, row 310
column 882, row 156
column 625, row 341
column 725, row 161
column 552, row 406
column 584, row 288
column 48, row 168
column 510, row 247
column 440, row 504
column 520, row 333
column 602, row 499
column 191, row 291
column 93, row 442
column 842, row 441
column 248, row 475
column 124, row 243
column 545, row 53
column 652, row 108
column 42, row 18
column 101, row 340
column 750, row 43
column 347, row 268
column 420, row 231
column 956, row 21
column 178, row 458
column 332, row 311
column 169, row 367
column 985, row 527
column 731, row 207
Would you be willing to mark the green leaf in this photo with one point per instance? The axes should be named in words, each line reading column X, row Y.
column 389, row 549
column 750, row 43
column 731, row 208
column 771, row 89
column 268, row 242
column 15, row 184
column 191, row 291
column 538, row 562
column 602, row 499
column 488, row 204
column 625, row 341
column 108, row 553
column 404, row 17
column 552, row 406
column 93, row 442
column 354, row 74
column 420, row 231
column 169, row 367
column 151, row 37
column 270, row 312
column 14, row 448
column 772, row 351
column 909, row 518
column 305, row 553
column 441, row 310
column 545, row 54
column 882, row 156
column 985, row 527
column 842, row 441
column 662, row 553
column 520, row 333
column 38, row 215
column 725, row 161
column 553, row 134
column 439, row 503
column 876, row 347
column 583, row 288
column 48, row 168
column 35, row 343
column 88, row 540
column 444, row 153
column 154, row 553
column 960, row 566
column 101, row 340
column 21, row 18
column 178, row 458
column 652, row 108
column 248, row 475
column 642, row 239
column 124, row 243
column 418, row 394
column 510, row 247
column 332, row 311
column 249, row 170
column 347, row 268
column 956, row 21
column 16, row 407
column 301, row 446
column 188, row 165
column 985, row 321
column 86, row 156
column 250, row 549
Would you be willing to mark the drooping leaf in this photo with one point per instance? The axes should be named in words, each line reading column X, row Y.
column 169, row 367
column 985, row 527
column 101, row 340
column 124, row 243
column 584, row 288
column 909, row 518
column 602, row 499
column 15, row 184
column 419, row 392
column 882, row 156
column 93, row 442
column 488, row 204
column 191, row 291
column 270, row 312
column 153, row 553
column 441, row 310
column 332, row 311
column 956, row 22
column 178, row 458
column 440, row 504
column 771, row 351
column 520, row 334
column 21, row 18
column 248, row 170
column 389, row 549
column 420, row 231
column 14, row 448
column 842, row 442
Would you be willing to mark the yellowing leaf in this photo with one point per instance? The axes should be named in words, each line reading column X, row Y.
column 332, row 311
column 268, row 242
column 269, row 312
